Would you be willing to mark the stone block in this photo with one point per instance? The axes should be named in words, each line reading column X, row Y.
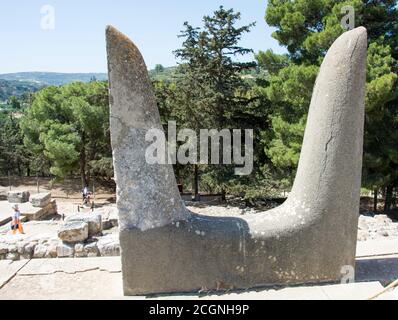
column 73, row 231
column 18, row 196
column 40, row 200
column 3, row 194
column 93, row 220
column 65, row 250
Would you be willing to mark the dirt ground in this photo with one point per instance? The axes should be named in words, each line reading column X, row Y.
column 68, row 191
column 68, row 197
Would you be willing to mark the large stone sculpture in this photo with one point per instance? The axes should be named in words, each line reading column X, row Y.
column 311, row 238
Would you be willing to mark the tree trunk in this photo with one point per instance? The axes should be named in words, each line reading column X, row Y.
column 375, row 200
column 83, row 174
column 196, row 182
column 223, row 195
column 388, row 198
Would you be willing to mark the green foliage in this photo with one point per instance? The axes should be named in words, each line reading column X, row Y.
column 210, row 91
column 16, row 88
column 102, row 167
column 68, row 126
column 307, row 28
column 13, row 154
column 14, row 103
column 161, row 73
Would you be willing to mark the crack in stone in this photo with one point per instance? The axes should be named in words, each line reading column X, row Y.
column 14, row 275
column 66, row 272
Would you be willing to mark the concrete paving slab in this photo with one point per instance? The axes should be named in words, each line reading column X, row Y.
column 8, row 269
column 101, row 278
column 394, row 293
column 376, row 248
column 355, row 291
column 89, row 285
column 71, row 266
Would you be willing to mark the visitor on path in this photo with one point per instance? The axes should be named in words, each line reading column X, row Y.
column 16, row 220
column 86, row 196
column 85, row 192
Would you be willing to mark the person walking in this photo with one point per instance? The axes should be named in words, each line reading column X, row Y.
column 16, row 220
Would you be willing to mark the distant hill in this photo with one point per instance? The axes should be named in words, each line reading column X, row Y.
column 16, row 88
column 52, row 78
column 16, row 84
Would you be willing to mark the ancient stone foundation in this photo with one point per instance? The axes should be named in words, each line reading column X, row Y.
column 311, row 238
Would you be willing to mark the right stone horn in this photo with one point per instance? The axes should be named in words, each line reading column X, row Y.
column 311, row 238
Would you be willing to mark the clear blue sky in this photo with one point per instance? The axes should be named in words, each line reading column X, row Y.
column 77, row 43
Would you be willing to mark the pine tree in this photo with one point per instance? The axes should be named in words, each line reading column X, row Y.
column 210, row 82
column 307, row 28
column 68, row 127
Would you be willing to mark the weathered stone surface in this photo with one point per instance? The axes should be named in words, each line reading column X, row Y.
column 18, row 196
column 40, row 200
column 40, row 251
column 65, row 250
column 21, row 247
column 8, row 270
column 310, row 238
column 29, row 249
column 13, row 249
column 3, row 248
column 3, row 194
column 109, row 246
column 133, row 112
column 13, row 256
column 91, row 249
column 110, row 218
column 73, row 231
column 51, row 251
column 93, row 220
column 79, row 251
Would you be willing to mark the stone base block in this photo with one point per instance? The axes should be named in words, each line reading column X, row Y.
column 223, row 254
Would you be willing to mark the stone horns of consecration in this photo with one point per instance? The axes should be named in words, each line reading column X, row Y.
column 147, row 195
column 310, row 238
